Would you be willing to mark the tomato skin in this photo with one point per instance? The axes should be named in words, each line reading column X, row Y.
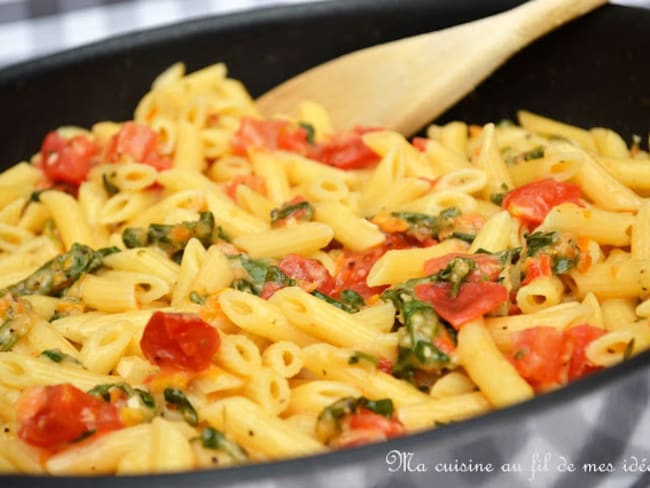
column 50, row 416
column 576, row 340
column 346, row 152
column 488, row 266
column 179, row 341
column 538, row 267
column 140, row 143
column 474, row 299
column 538, row 355
column 533, row 201
column 353, row 267
column 308, row 272
column 368, row 420
column 547, row 357
column 67, row 161
column 268, row 134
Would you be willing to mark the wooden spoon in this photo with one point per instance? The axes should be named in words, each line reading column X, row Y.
column 403, row 85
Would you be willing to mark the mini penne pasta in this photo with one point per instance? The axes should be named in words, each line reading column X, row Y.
column 220, row 288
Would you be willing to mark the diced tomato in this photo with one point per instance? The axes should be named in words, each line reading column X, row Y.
column 346, row 151
column 353, row 267
column 488, row 266
column 473, row 300
column 443, row 341
column 538, row 355
column 138, row 142
column 179, row 341
column 67, row 161
column 50, row 416
column 309, row 273
column 420, row 143
column 255, row 183
column 367, row 420
column 537, row 267
column 269, row 288
column 532, row 202
column 385, row 365
column 576, row 340
column 268, row 134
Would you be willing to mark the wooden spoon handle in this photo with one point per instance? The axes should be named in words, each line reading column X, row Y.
column 401, row 85
column 535, row 18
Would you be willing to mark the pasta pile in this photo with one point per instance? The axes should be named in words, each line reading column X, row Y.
column 200, row 287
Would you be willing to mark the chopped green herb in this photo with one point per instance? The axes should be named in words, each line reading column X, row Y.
column 256, row 268
column 463, row 236
column 535, row 153
column 359, row 356
column 455, row 273
column 177, row 398
column 561, row 265
column 104, row 392
column 497, row 198
column 172, row 238
column 196, row 298
column 289, row 210
column 416, row 349
column 311, row 132
column 244, row 285
column 214, row 439
column 352, row 298
column 58, row 356
column 109, row 187
column 328, row 424
column 35, row 197
column 134, row 237
column 17, row 320
column 61, row 272
column 8, row 335
column 537, row 241
column 260, row 272
column 340, row 305
column 450, row 213
column 221, row 234
column 383, row 407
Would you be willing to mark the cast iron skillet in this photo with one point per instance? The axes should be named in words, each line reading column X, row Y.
column 593, row 72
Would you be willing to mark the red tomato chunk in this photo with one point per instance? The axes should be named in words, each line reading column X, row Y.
column 138, row 142
column 532, row 202
column 344, row 150
column 474, row 299
column 268, row 134
column 538, row 267
column 308, row 271
column 179, row 341
column 51, row 416
column 547, row 357
column 67, row 161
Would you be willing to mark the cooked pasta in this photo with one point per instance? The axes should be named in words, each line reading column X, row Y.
column 201, row 287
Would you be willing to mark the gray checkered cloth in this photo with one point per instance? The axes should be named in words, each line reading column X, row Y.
column 605, row 426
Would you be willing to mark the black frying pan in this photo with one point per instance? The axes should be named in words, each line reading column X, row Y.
column 593, row 72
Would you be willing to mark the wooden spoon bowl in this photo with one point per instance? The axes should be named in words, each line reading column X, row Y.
column 402, row 85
